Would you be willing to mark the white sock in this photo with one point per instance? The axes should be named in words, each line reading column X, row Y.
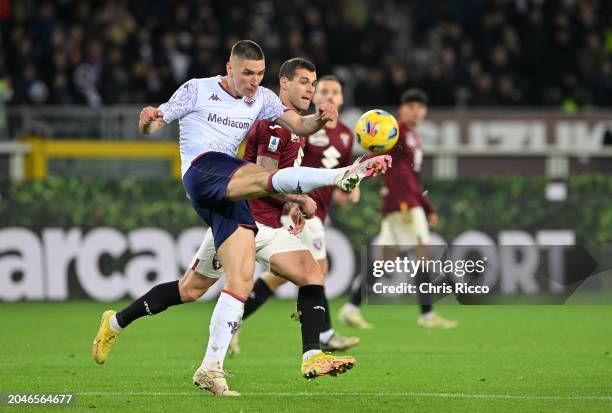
column 310, row 354
column 427, row 314
column 325, row 336
column 300, row 179
column 114, row 324
column 351, row 308
column 223, row 325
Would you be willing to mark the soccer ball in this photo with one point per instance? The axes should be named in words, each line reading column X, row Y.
column 376, row 131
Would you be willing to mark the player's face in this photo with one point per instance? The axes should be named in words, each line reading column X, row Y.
column 328, row 91
column 301, row 88
column 245, row 75
column 412, row 113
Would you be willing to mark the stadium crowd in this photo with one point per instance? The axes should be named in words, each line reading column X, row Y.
column 463, row 53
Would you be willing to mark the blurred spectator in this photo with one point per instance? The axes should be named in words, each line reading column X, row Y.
column 468, row 52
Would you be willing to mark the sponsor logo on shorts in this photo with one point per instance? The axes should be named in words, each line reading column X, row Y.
column 318, row 243
column 216, row 263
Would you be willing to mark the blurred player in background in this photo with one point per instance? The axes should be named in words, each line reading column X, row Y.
column 407, row 213
column 331, row 147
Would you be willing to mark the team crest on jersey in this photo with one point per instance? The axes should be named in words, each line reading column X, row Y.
column 345, row 138
column 216, row 263
column 320, row 138
column 249, row 101
column 273, row 144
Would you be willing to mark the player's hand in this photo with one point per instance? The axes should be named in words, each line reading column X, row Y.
column 328, row 112
column 354, row 195
column 298, row 220
column 150, row 114
column 432, row 219
column 309, row 207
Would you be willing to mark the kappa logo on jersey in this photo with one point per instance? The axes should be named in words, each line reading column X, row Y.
column 249, row 101
column 214, row 97
column 273, row 144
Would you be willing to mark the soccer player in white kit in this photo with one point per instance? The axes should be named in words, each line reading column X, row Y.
column 214, row 116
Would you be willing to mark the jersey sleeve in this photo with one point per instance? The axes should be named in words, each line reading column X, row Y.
column 182, row 102
column 426, row 204
column 272, row 107
column 268, row 143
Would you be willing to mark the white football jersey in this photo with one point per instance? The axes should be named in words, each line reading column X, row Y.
column 212, row 120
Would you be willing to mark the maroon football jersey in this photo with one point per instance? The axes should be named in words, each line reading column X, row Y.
column 272, row 141
column 402, row 189
column 328, row 148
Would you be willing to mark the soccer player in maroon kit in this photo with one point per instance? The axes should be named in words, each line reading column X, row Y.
column 407, row 213
column 331, row 147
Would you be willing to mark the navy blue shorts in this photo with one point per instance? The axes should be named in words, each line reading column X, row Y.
column 206, row 184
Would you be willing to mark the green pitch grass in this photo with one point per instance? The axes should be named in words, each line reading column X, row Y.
column 500, row 358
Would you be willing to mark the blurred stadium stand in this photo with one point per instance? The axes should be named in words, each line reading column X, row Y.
column 464, row 53
column 516, row 86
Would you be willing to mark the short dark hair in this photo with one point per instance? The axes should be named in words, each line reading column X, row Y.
column 414, row 95
column 331, row 78
column 247, row 49
column 289, row 67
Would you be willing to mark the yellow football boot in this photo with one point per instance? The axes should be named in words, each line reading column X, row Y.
column 105, row 339
column 323, row 364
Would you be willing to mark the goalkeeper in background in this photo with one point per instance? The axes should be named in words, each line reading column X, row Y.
column 407, row 213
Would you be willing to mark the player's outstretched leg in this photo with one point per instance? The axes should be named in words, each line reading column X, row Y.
column 254, row 181
column 188, row 289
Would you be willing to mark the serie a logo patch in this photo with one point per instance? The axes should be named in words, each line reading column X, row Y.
column 273, row 144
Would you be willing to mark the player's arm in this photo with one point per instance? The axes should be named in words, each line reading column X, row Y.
column 307, row 125
column 432, row 216
column 181, row 103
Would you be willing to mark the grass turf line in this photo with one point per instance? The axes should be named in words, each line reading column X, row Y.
column 502, row 358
